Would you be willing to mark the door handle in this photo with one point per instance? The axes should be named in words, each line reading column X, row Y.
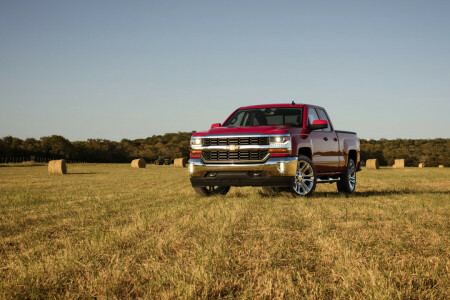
column 325, row 139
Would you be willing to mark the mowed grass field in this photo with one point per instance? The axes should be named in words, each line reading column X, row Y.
column 109, row 231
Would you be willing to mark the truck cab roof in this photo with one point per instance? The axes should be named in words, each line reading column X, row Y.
column 299, row 105
column 271, row 105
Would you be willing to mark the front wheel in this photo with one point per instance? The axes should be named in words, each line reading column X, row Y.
column 305, row 177
column 211, row 190
column 347, row 184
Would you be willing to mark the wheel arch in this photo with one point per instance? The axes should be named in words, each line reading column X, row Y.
column 352, row 154
column 351, row 150
column 306, row 151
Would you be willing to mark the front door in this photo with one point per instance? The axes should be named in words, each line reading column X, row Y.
column 325, row 145
column 331, row 143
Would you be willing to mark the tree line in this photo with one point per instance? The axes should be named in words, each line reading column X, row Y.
column 432, row 152
column 170, row 145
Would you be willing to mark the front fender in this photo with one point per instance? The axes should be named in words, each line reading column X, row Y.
column 302, row 141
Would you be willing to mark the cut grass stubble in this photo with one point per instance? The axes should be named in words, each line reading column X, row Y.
column 112, row 231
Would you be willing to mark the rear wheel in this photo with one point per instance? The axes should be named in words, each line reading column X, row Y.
column 305, row 178
column 211, row 190
column 347, row 184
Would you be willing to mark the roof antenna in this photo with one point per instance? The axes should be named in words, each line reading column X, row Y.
column 293, row 103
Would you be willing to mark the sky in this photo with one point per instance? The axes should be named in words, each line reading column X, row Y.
column 133, row 69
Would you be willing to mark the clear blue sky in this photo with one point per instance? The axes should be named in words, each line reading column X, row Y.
column 131, row 69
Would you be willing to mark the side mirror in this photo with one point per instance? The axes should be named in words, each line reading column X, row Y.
column 215, row 125
column 318, row 124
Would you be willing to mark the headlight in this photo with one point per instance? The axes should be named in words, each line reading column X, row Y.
column 279, row 140
column 196, row 141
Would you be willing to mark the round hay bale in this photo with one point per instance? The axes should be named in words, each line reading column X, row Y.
column 421, row 165
column 57, row 167
column 372, row 164
column 138, row 163
column 441, row 166
column 399, row 164
column 179, row 163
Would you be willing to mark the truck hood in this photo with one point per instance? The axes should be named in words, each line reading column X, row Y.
column 269, row 129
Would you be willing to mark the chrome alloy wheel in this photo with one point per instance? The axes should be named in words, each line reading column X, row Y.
column 304, row 178
column 351, row 175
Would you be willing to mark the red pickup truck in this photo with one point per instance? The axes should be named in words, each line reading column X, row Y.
column 281, row 147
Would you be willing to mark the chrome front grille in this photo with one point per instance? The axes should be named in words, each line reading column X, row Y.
column 235, row 156
column 236, row 141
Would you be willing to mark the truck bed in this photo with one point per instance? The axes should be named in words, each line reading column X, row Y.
column 343, row 131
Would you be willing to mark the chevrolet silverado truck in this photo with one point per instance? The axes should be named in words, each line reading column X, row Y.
column 280, row 147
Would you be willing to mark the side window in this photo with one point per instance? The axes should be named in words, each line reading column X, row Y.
column 323, row 116
column 312, row 116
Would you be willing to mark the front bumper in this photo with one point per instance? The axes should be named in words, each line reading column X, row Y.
column 275, row 171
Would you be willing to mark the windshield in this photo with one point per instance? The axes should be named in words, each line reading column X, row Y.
column 266, row 116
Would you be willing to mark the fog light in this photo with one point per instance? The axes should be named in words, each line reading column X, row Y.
column 191, row 168
column 281, row 167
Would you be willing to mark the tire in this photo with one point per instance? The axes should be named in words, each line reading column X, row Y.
column 347, row 184
column 305, row 179
column 211, row 190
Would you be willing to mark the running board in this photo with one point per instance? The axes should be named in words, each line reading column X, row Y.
column 328, row 180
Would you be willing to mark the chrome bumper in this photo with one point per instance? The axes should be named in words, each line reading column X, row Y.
column 273, row 166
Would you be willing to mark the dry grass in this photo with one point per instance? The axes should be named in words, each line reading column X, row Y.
column 107, row 231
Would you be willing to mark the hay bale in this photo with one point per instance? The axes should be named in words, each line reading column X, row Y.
column 57, row 167
column 441, row 166
column 421, row 165
column 399, row 164
column 372, row 164
column 179, row 163
column 138, row 163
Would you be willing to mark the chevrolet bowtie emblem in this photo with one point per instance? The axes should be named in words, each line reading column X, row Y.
column 233, row 147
